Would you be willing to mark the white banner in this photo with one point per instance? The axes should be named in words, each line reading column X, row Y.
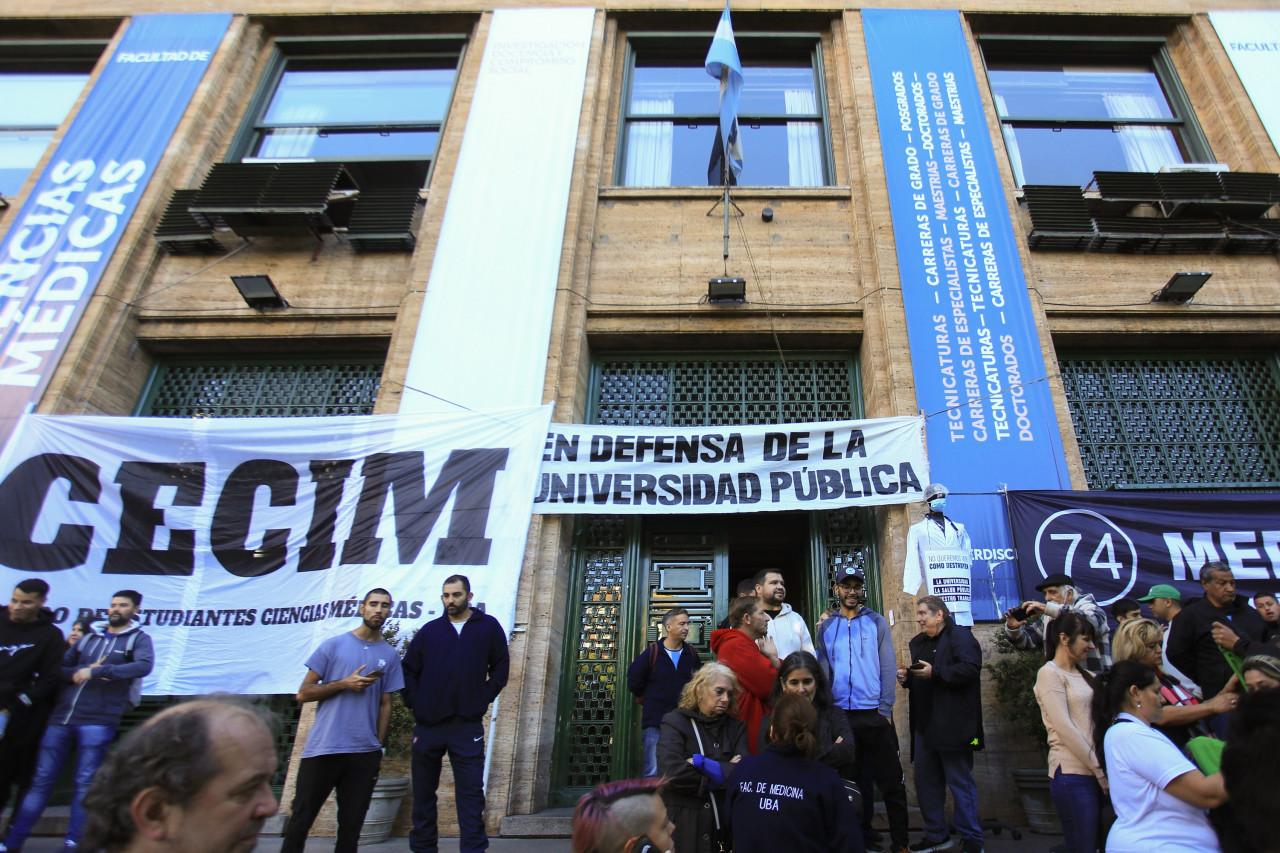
column 725, row 469
column 493, row 278
column 252, row 539
column 1252, row 40
column 946, row 575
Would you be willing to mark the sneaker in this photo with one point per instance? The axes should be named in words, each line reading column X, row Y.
column 924, row 845
column 968, row 846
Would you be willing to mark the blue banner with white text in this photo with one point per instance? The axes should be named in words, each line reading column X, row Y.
column 1119, row 545
column 63, row 237
column 979, row 373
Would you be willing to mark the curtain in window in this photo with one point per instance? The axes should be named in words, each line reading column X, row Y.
column 804, row 142
column 1010, row 142
column 287, row 142
column 1146, row 149
column 650, row 145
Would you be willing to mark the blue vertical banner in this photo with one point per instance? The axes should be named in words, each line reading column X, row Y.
column 975, row 354
column 62, row 239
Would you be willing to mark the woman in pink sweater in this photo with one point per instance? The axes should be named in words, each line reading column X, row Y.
column 1064, row 690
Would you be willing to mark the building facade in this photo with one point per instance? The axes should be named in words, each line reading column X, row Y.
column 321, row 147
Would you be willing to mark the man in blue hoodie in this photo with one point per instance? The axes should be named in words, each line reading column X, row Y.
column 856, row 651
column 99, row 675
column 455, row 667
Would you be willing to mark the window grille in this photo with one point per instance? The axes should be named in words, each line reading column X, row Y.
column 263, row 390
column 1191, row 424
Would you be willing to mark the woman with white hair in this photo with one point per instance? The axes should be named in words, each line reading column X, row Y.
column 699, row 748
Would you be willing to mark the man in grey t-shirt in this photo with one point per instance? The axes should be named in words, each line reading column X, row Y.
column 352, row 676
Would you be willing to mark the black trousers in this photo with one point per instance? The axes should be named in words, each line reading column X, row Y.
column 352, row 775
column 876, row 742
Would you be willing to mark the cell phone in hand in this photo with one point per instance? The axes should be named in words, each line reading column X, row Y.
column 1019, row 613
column 377, row 673
column 916, row 665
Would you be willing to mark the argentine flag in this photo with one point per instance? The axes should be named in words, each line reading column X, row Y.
column 723, row 64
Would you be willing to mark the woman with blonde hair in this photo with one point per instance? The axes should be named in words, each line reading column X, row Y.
column 1184, row 715
column 698, row 750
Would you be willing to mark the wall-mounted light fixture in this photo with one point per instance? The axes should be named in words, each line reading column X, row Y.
column 258, row 291
column 727, row 290
column 1182, row 287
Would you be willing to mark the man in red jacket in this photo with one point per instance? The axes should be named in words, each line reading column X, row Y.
column 752, row 656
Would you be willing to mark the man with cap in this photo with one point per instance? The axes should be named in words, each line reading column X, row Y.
column 927, row 539
column 855, row 650
column 1165, row 602
column 1025, row 625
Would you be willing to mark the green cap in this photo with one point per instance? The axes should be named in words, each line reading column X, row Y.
column 1162, row 590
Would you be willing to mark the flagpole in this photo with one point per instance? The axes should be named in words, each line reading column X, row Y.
column 724, row 177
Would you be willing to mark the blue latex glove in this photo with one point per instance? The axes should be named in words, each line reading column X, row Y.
column 4, row 722
column 711, row 769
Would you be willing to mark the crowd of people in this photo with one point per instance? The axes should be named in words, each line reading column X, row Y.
column 196, row 777
column 1162, row 737
column 779, row 742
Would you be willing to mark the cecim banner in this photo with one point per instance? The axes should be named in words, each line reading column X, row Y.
column 62, row 239
column 1118, row 545
column 975, row 352
column 252, row 539
column 690, row 470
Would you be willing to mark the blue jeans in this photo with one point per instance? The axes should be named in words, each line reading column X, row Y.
column 937, row 770
column 464, row 742
column 1078, row 800
column 91, row 744
column 650, row 734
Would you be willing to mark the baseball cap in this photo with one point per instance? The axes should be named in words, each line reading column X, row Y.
column 849, row 574
column 1162, row 590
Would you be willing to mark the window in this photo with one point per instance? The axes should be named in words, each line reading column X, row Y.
column 1074, row 106
column 377, row 106
column 36, row 93
column 1192, row 423
column 262, row 388
column 672, row 108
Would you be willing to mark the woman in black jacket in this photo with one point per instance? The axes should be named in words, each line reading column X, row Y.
column 784, row 799
column 698, row 750
column 800, row 674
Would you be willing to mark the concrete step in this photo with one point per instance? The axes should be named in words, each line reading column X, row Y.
column 550, row 823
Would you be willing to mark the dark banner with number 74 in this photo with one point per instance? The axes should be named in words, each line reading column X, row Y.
column 1119, row 544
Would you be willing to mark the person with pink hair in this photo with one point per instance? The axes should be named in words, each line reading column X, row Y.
column 627, row 816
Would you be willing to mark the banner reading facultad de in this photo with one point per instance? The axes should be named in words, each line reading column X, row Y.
column 978, row 371
column 1119, row 545
column 62, row 239
column 718, row 469
column 1252, row 40
column 252, row 539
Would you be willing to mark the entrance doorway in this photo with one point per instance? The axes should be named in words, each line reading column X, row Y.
column 628, row 571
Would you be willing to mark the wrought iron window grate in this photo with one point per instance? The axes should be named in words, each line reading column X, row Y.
column 1193, row 424
column 264, row 390
column 717, row 392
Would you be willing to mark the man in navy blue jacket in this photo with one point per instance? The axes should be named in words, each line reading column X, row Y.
column 455, row 667
column 99, row 674
column 658, row 675
column 946, row 724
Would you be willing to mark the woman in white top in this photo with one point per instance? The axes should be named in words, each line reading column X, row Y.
column 1065, row 693
column 1158, row 794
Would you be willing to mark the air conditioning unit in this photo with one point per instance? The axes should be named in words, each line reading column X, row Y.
column 1195, row 167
